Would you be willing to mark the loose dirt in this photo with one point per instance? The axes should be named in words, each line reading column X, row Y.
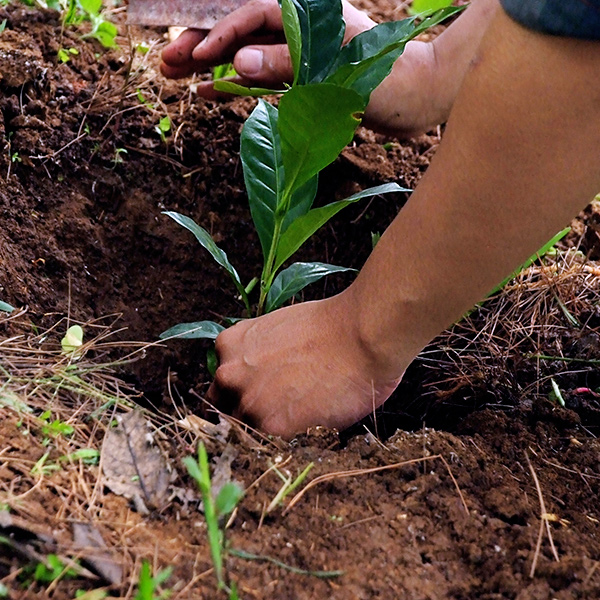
column 85, row 178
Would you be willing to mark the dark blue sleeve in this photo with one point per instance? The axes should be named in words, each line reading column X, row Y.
column 571, row 18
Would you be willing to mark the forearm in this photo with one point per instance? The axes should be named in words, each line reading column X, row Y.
column 518, row 160
column 425, row 80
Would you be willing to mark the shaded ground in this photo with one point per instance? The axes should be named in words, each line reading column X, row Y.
column 85, row 178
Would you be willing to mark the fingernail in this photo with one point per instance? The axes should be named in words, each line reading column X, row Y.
column 249, row 62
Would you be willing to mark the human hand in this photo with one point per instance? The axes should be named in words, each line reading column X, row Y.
column 250, row 37
column 297, row 367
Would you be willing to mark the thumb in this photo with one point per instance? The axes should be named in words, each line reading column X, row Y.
column 266, row 65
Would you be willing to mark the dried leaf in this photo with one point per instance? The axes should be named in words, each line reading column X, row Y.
column 93, row 550
column 133, row 465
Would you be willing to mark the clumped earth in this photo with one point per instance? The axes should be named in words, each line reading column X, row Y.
column 492, row 476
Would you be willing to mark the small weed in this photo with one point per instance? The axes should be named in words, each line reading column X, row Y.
column 148, row 586
column 215, row 509
column 118, row 157
column 65, row 54
column 4, row 307
column 41, row 468
column 556, row 395
column 88, row 456
column 73, row 340
column 56, row 427
column 288, row 486
column 163, row 128
column 2, row 28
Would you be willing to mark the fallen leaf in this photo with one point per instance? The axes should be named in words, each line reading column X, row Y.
column 133, row 465
column 93, row 551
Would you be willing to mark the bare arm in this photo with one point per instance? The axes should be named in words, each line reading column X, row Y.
column 519, row 159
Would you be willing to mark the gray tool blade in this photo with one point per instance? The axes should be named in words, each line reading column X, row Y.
column 200, row 14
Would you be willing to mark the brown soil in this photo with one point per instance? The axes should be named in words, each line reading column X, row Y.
column 85, row 179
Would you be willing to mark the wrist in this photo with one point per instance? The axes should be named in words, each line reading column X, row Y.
column 381, row 361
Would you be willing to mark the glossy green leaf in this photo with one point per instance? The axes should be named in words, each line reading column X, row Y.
column 208, row 243
column 315, row 123
column 293, row 34
column 263, row 169
column 299, row 231
column 228, row 498
column 295, row 278
column 369, row 57
column 192, row 331
column 322, row 29
column 4, row 307
column 230, row 87
column 302, row 200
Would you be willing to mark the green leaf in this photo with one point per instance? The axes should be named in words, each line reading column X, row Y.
column 3, row 25
column 299, row 231
column 145, row 583
column 212, row 361
column 106, row 33
column 369, row 57
column 92, row 7
column 295, row 278
column 73, row 339
column 4, row 307
column 228, row 498
column 260, row 152
column 315, row 123
column 293, row 34
column 208, row 243
column 193, row 469
column 322, row 31
column 208, row 330
column 263, row 174
column 222, row 71
column 426, row 6
column 230, row 87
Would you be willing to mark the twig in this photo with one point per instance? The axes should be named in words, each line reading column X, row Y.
column 544, row 520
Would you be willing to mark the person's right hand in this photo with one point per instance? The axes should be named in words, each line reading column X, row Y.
column 250, row 37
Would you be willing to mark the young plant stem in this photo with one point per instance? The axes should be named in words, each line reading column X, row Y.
column 212, row 524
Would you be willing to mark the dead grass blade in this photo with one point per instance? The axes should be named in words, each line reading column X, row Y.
column 544, row 522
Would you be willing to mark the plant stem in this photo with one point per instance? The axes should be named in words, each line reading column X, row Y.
column 212, row 524
column 266, row 278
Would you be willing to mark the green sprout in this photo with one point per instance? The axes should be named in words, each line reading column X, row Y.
column 148, row 585
column 215, row 509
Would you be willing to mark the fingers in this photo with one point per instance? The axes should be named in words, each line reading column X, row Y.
column 178, row 54
column 251, row 34
column 233, row 32
column 264, row 65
